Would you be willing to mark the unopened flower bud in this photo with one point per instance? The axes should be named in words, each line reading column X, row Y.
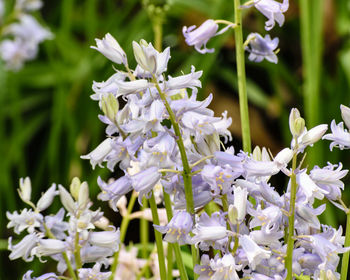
column 110, row 106
column 284, row 156
column 74, row 187
column 145, row 56
column 66, row 199
column 299, row 126
column 345, row 114
column 47, row 198
column 111, row 49
column 314, row 134
column 257, row 153
column 83, row 198
column 25, row 189
column 296, row 123
column 102, row 223
column 232, row 214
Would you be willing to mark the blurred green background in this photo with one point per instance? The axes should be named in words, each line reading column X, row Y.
column 47, row 119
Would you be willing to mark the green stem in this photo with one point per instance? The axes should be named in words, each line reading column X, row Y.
column 186, row 173
column 345, row 260
column 311, row 17
column 242, row 87
column 158, row 34
column 176, row 246
column 144, row 236
column 77, row 252
column 291, row 216
column 123, row 229
column 64, row 254
column 170, row 260
column 158, row 237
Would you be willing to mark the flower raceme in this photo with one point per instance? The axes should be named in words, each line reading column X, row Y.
column 161, row 119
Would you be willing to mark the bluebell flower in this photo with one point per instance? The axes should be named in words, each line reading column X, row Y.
column 200, row 36
column 93, row 273
column 46, row 276
column 329, row 178
column 273, row 10
column 144, row 181
column 49, row 247
column 210, row 231
column 109, row 239
column 26, row 220
column 149, row 59
column 184, row 81
column 340, row 136
column 178, row 229
column 261, row 48
column 98, row 155
column 111, row 49
column 254, row 253
column 24, row 247
column 114, row 191
column 56, row 224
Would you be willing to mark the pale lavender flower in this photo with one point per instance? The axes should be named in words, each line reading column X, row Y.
column 46, row 199
column 345, row 114
column 57, row 225
column 108, row 239
column 177, row 230
column 339, row 136
column 200, row 36
column 23, row 248
column 308, row 188
column 27, row 219
column 93, row 254
column 273, row 10
column 114, row 191
column 49, row 247
column 224, row 268
column 204, row 270
column 25, row 189
column 98, row 155
column 111, row 49
column 220, row 179
column 131, row 87
column 93, row 273
column 210, row 231
column 28, row 5
column 329, row 179
column 15, row 53
column 254, row 253
column 46, row 276
column 144, row 181
column 184, row 81
column 149, row 59
column 261, row 48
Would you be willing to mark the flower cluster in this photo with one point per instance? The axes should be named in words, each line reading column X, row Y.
column 221, row 203
column 160, row 120
column 71, row 242
column 259, row 47
column 22, row 34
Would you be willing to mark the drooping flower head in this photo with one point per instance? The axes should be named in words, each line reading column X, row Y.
column 262, row 48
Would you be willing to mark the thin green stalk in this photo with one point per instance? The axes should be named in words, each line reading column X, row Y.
column 144, row 236
column 311, row 20
column 123, row 229
column 158, row 237
column 176, row 246
column 242, row 87
column 291, row 216
column 64, row 254
column 158, row 34
column 77, row 252
column 170, row 261
column 186, row 174
column 345, row 260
